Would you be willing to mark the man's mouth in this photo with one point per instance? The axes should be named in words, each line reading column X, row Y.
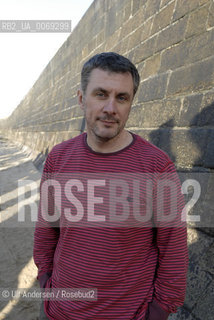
column 108, row 121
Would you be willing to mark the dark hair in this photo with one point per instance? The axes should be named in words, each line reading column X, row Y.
column 109, row 61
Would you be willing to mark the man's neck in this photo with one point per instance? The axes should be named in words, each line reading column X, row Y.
column 112, row 145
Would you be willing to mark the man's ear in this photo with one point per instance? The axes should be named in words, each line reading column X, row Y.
column 80, row 99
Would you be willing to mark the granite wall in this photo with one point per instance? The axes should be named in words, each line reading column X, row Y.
column 172, row 44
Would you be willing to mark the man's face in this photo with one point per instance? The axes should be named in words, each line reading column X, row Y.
column 107, row 103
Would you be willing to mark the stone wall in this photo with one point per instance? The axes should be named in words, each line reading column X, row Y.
column 172, row 44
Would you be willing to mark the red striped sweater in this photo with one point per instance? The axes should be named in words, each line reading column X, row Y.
column 139, row 272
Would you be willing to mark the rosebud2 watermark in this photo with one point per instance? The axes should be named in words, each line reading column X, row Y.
column 110, row 200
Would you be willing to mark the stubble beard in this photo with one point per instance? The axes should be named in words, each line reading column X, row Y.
column 105, row 137
column 94, row 128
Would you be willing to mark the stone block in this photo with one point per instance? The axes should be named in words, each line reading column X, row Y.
column 197, row 282
column 76, row 124
column 136, row 4
column 198, row 242
column 182, row 314
column 66, row 114
column 127, row 11
column 145, row 50
column 139, row 17
column 58, row 116
column 114, row 38
column 206, row 115
column 146, row 29
column 100, row 37
column 131, row 24
column 150, row 67
column 190, row 110
column 164, row 137
column 118, row 48
column 140, row 35
column 70, row 102
column 196, row 22
column 141, row 116
column 92, row 44
column 119, row 20
column 130, row 55
column 171, row 35
column 164, row 3
column 198, row 76
column 210, row 22
column 59, row 137
column 209, row 155
column 155, row 114
column 85, row 50
column 175, row 56
column 210, row 187
column 153, row 88
column 149, row 135
column 183, row 7
column 208, row 99
column 151, row 7
column 111, row 21
column 71, row 134
column 95, row 27
column 187, row 147
column 75, row 112
column 207, row 260
column 188, row 51
column 204, row 309
column 163, row 18
column 120, row 4
column 135, row 38
column 209, row 231
column 171, row 107
column 59, row 126
column 140, row 67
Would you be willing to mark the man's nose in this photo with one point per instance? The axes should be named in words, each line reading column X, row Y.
column 110, row 106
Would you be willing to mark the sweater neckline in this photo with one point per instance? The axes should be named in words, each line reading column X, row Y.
column 107, row 153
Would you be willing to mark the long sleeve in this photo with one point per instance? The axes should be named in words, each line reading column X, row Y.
column 171, row 241
column 46, row 235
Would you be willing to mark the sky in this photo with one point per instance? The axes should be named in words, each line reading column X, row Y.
column 23, row 56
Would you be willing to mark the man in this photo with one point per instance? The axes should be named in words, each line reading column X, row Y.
column 137, row 263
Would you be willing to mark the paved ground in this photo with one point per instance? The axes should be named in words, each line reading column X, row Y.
column 17, row 269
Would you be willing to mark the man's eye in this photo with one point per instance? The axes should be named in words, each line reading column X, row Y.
column 121, row 98
column 100, row 94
